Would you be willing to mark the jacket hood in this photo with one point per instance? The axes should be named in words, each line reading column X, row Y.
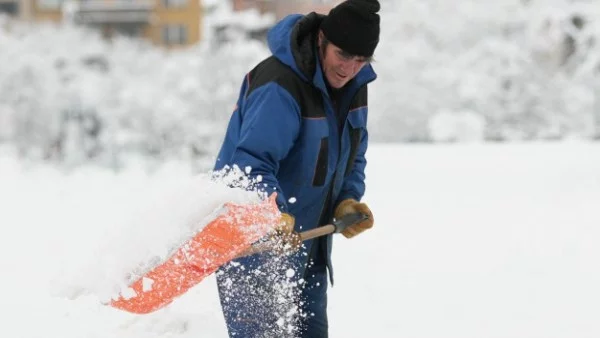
column 293, row 41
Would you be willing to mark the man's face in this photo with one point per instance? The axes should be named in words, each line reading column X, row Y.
column 338, row 66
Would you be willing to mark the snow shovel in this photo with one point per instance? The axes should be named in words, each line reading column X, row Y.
column 229, row 236
column 236, row 228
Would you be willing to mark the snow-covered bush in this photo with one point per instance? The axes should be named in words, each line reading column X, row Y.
column 456, row 126
column 68, row 95
column 531, row 68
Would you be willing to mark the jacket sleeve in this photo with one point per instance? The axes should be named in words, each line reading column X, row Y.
column 270, row 125
column 354, row 183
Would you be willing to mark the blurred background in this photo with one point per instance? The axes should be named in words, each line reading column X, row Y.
column 484, row 166
column 111, row 81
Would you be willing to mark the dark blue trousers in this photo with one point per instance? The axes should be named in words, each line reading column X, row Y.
column 262, row 303
column 315, row 323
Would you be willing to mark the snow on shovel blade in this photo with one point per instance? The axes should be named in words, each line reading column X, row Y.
column 217, row 243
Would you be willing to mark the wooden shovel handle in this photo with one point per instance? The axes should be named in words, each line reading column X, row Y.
column 317, row 232
column 337, row 226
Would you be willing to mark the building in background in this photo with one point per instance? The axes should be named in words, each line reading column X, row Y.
column 281, row 8
column 251, row 19
column 169, row 23
column 9, row 7
column 16, row 8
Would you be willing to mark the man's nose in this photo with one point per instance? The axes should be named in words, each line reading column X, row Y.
column 349, row 66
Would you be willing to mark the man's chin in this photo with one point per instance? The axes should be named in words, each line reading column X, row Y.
column 337, row 84
column 336, row 81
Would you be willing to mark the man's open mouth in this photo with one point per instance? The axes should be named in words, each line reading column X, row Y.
column 341, row 76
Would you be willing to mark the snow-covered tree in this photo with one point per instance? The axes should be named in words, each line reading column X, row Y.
column 70, row 96
column 506, row 70
column 531, row 68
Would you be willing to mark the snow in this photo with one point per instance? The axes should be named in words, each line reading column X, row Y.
column 477, row 240
column 461, row 126
column 159, row 220
column 147, row 284
column 249, row 19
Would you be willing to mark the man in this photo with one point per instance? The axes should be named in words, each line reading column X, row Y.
column 300, row 127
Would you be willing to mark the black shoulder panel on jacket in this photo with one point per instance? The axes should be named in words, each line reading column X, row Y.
column 360, row 99
column 308, row 97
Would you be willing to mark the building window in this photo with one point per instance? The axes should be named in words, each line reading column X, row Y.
column 50, row 4
column 174, row 35
column 10, row 8
column 174, row 3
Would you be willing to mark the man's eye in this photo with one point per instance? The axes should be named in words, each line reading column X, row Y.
column 344, row 55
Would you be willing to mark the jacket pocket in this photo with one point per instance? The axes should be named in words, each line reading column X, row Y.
column 322, row 163
column 355, row 134
column 357, row 124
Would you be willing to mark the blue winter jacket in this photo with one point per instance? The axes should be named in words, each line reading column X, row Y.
column 285, row 128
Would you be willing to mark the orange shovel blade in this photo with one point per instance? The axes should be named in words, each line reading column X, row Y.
column 217, row 243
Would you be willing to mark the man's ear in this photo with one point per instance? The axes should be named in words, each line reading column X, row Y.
column 320, row 38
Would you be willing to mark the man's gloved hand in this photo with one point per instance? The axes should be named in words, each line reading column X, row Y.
column 286, row 240
column 286, row 223
column 349, row 206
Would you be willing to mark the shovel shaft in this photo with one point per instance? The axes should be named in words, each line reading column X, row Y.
column 304, row 236
column 317, row 232
column 256, row 248
column 337, row 226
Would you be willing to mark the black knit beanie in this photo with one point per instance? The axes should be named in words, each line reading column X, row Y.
column 353, row 25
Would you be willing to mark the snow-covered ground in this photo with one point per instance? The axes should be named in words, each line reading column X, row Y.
column 469, row 241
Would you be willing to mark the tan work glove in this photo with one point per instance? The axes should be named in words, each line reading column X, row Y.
column 349, row 206
column 285, row 239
